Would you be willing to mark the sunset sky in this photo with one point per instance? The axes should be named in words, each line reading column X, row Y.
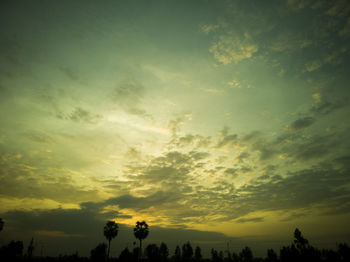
column 217, row 122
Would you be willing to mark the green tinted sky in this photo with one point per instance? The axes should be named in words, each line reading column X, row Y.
column 221, row 116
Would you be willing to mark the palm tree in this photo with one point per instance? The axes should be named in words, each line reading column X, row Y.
column 110, row 231
column 141, row 232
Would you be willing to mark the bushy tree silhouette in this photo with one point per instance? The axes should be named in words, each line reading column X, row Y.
column 110, row 231
column 152, row 252
column 30, row 249
column 198, row 254
column 272, row 256
column 163, row 252
column 344, row 252
column 299, row 250
column 177, row 254
column 136, row 253
column 187, row 252
column 125, row 255
column 246, row 255
column 11, row 252
column 1, row 224
column 99, row 252
column 215, row 256
column 299, row 240
column 141, row 232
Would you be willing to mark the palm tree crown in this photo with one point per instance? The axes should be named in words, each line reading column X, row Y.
column 141, row 230
column 110, row 231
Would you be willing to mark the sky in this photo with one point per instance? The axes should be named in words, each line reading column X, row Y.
column 224, row 123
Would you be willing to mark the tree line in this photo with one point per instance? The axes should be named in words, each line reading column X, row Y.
column 299, row 250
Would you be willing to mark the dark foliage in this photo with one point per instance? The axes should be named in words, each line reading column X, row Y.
column 1, row 224
column 11, row 251
column 30, row 249
column 299, row 250
column 152, row 252
column 99, row 253
column 125, row 255
column 163, row 252
column 187, row 252
column 197, row 254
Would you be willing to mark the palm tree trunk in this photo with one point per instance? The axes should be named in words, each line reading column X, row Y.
column 140, row 248
column 109, row 246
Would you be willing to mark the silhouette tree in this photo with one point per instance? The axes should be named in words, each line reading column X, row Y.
column 299, row 240
column 110, row 231
column 215, row 255
column 1, row 224
column 344, row 252
column 272, row 256
column 125, row 255
column 187, row 252
column 177, row 254
column 12, row 251
column 99, row 252
column 163, row 252
column 289, row 254
column 198, row 254
column 30, row 248
column 246, row 255
column 135, row 253
column 141, row 232
column 234, row 257
column 152, row 252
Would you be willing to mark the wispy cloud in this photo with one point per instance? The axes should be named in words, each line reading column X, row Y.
column 232, row 48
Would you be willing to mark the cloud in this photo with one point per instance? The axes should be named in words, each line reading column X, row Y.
column 168, row 170
column 339, row 8
column 313, row 65
column 334, row 58
column 298, row 4
column 209, row 28
column 53, row 233
column 142, row 203
column 319, row 186
column 345, row 31
column 314, row 148
column 290, row 41
column 243, row 156
column 193, row 141
column 70, row 73
column 250, row 220
column 231, row 171
column 138, row 112
column 317, row 97
column 252, row 136
column 231, row 48
column 226, row 139
column 81, row 115
column 128, row 93
column 24, row 179
column 235, row 83
column 327, row 107
column 39, row 137
column 301, row 123
column 212, row 90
